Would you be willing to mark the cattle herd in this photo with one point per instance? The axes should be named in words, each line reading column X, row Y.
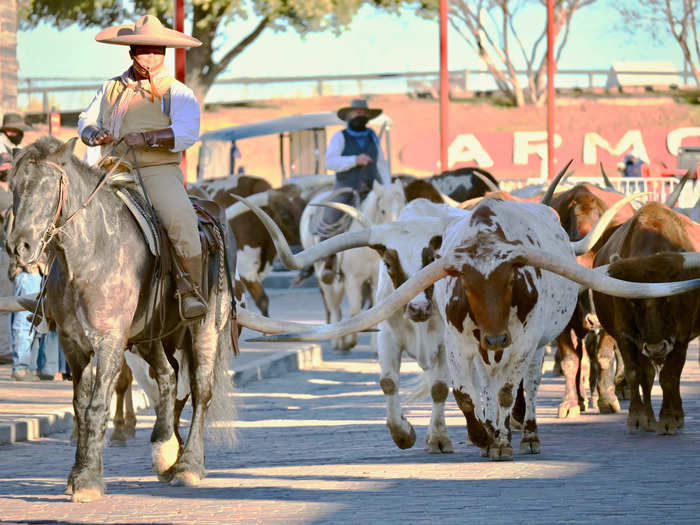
column 473, row 283
column 470, row 281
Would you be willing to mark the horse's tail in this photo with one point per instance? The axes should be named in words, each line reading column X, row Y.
column 223, row 408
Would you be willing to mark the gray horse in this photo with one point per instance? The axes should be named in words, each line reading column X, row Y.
column 98, row 291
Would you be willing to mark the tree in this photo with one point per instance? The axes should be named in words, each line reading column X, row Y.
column 664, row 17
column 489, row 28
column 209, row 19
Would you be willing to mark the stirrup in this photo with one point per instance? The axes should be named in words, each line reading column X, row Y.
column 191, row 305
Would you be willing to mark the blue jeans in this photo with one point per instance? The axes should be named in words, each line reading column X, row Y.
column 24, row 354
column 50, row 358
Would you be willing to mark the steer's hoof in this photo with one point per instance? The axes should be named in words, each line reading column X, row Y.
column 569, row 409
column 530, row 445
column 668, row 425
column 185, row 479
column 501, row 453
column 118, row 438
column 609, row 405
column 438, row 444
column 638, row 422
column 404, row 438
column 69, row 489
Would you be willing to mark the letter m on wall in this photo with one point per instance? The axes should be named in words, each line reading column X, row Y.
column 632, row 140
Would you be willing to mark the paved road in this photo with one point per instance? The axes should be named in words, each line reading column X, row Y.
column 313, row 448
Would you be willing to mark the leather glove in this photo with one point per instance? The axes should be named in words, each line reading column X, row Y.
column 154, row 138
column 94, row 136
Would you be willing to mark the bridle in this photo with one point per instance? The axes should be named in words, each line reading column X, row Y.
column 52, row 229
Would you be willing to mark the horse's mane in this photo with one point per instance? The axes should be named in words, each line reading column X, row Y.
column 45, row 147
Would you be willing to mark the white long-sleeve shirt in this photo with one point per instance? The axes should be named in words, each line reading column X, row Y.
column 338, row 162
column 184, row 114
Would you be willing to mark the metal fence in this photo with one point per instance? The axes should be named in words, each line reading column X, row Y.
column 72, row 94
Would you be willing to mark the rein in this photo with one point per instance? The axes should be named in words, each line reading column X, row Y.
column 52, row 229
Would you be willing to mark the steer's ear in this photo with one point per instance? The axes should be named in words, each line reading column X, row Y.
column 65, row 152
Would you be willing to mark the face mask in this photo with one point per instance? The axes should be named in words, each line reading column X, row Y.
column 358, row 123
column 146, row 70
column 16, row 139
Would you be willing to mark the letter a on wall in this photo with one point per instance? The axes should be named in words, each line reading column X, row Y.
column 467, row 149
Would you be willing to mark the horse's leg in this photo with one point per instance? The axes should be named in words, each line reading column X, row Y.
column 129, row 412
column 164, row 444
column 179, row 406
column 81, row 373
column 202, row 349
column 87, row 481
column 118, row 437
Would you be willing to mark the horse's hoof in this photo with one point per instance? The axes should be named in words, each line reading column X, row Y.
column 185, row 479
column 87, row 495
column 165, row 454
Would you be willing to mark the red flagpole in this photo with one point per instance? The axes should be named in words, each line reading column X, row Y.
column 550, row 89
column 180, row 63
column 444, row 86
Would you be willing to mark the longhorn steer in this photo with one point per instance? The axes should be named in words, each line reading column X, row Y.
column 652, row 334
column 418, row 330
column 256, row 251
column 579, row 208
column 356, row 267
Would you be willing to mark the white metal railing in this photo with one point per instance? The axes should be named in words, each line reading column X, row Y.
column 658, row 187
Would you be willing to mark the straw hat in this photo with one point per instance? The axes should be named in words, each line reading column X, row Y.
column 14, row 121
column 147, row 31
column 358, row 103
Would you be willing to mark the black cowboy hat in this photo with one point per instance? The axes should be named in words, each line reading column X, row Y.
column 14, row 121
column 358, row 103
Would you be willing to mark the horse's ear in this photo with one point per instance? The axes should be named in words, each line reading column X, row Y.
column 65, row 153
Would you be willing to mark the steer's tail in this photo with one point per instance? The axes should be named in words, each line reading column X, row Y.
column 417, row 387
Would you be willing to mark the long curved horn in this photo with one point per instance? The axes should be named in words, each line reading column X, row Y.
column 267, row 325
column 379, row 312
column 547, row 199
column 489, row 183
column 588, row 242
column 18, row 303
column 600, row 281
column 606, row 180
column 672, row 198
column 259, row 199
column 345, row 208
column 324, row 249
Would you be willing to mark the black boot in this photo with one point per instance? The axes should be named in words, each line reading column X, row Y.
column 189, row 287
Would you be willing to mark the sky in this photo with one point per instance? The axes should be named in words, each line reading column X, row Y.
column 375, row 42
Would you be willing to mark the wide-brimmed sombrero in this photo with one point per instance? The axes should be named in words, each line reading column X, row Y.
column 147, row 31
column 359, row 103
column 14, row 121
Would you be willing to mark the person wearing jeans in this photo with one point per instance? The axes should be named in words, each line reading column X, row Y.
column 24, row 354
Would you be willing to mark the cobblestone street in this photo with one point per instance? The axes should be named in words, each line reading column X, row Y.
column 313, row 448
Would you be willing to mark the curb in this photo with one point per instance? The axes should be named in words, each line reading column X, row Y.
column 278, row 365
column 31, row 428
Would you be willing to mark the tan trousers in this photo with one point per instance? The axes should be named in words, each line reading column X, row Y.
column 164, row 184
